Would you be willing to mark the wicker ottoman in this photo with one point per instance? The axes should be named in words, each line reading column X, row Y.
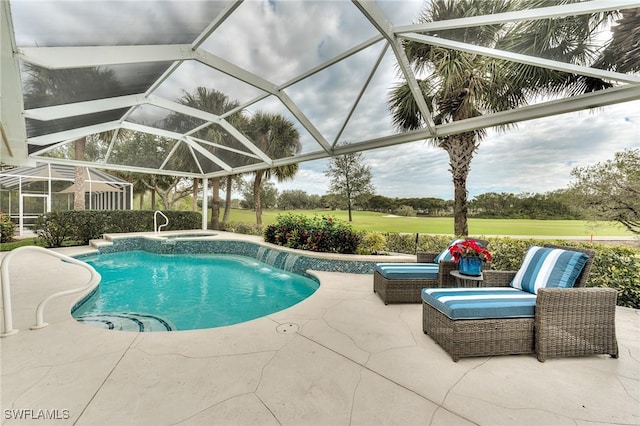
column 401, row 290
column 478, row 337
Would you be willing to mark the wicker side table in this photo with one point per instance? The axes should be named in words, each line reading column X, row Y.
column 467, row 280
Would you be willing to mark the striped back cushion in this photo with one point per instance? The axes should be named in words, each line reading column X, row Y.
column 445, row 255
column 548, row 267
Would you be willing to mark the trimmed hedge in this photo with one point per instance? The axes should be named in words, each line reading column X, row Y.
column 619, row 268
column 81, row 226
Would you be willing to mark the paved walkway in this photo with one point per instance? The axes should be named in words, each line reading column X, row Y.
column 340, row 357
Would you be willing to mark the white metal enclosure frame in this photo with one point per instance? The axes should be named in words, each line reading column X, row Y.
column 103, row 191
column 193, row 47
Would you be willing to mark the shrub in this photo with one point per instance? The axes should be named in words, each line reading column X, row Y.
column 7, row 229
column 405, row 211
column 133, row 221
column 508, row 253
column 433, row 243
column 412, row 243
column 292, row 231
column 181, row 220
column 88, row 224
column 619, row 268
column 242, row 228
column 401, row 243
column 371, row 243
column 322, row 234
column 53, row 228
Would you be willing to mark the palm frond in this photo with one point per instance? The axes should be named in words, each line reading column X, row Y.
column 623, row 52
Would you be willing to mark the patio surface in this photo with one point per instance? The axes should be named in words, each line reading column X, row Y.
column 341, row 357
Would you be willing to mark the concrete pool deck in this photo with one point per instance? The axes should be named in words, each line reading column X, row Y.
column 341, row 357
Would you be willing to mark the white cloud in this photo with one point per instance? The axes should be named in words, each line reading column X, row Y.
column 537, row 156
column 310, row 178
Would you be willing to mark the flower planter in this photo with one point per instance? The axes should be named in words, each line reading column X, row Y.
column 470, row 266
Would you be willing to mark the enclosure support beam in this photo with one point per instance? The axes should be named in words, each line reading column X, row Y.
column 205, row 199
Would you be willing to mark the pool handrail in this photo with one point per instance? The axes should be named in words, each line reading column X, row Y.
column 157, row 228
column 8, row 329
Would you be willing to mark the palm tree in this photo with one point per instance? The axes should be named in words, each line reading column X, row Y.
column 231, row 181
column 278, row 138
column 239, row 121
column 215, row 102
column 460, row 85
column 137, row 180
column 623, row 53
column 45, row 87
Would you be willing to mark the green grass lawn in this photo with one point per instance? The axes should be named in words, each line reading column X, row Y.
column 371, row 221
column 18, row 243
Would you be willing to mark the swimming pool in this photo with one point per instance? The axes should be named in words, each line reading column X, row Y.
column 144, row 291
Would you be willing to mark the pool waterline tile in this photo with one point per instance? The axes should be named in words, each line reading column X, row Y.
column 298, row 262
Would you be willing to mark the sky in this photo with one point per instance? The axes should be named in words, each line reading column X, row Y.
column 536, row 157
column 279, row 40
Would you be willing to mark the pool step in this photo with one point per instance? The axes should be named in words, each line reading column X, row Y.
column 127, row 321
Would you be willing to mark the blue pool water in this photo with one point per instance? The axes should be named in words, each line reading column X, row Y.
column 142, row 291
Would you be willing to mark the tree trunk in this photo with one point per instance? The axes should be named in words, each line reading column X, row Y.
column 257, row 183
column 153, row 200
column 349, row 194
column 215, row 203
column 141, row 200
column 78, row 193
column 195, row 195
column 165, row 197
column 460, row 225
column 227, row 199
column 460, row 149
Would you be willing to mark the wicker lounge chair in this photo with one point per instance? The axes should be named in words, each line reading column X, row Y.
column 408, row 289
column 567, row 322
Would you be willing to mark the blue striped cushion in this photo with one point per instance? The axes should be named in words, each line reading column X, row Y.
column 481, row 303
column 445, row 255
column 547, row 267
column 396, row 271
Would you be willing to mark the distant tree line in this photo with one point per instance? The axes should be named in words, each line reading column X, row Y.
column 551, row 205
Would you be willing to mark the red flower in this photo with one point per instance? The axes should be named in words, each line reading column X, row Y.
column 469, row 248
